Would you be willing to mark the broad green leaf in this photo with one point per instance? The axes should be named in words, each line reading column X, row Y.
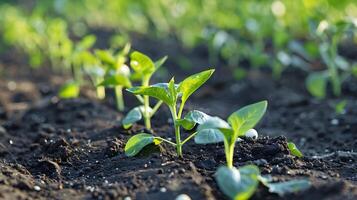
column 133, row 116
column 294, row 150
column 192, row 118
column 158, row 91
column 69, row 90
column 116, row 80
column 217, row 124
column 136, row 143
column 247, row 117
column 160, row 62
column 141, row 63
column 238, row 184
column 316, row 84
column 209, row 136
column 292, row 186
column 193, row 82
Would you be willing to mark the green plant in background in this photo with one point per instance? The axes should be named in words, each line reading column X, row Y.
column 143, row 68
column 170, row 94
column 117, row 73
column 338, row 68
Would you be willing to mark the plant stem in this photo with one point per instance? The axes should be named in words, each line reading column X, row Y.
column 188, row 138
column 119, row 97
column 156, row 107
column 177, row 131
column 100, row 90
column 146, row 105
column 229, row 149
column 168, row 141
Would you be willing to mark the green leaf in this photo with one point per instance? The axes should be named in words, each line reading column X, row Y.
column 136, row 143
column 209, row 136
column 294, row 150
column 116, row 80
column 105, row 57
column 316, row 84
column 247, row 117
column 160, row 62
column 141, row 63
column 192, row 118
column 133, row 116
column 238, row 184
column 292, row 186
column 159, row 91
column 217, row 124
column 86, row 43
column 193, row 82
column 69, row 90
column 340, row 107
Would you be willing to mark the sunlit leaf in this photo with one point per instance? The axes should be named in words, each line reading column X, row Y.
column 69, row 90
column 294, row 150
column 158, row 91
column 160, row 62
column 141, row 63
column 247, row 117
column 209, row 136
column 87, row 42
column 192, row 118
column 136, row 143
column 193, row 82
column 116, row 80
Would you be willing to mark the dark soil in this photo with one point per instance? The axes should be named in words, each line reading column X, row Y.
column 74, row 149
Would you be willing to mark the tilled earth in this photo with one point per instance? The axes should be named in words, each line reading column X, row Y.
column 74, row 149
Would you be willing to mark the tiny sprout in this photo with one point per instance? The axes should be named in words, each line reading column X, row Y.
column 294, row 150
column 252, row 133
column 216, row 129
column 171, row 94
column 143, row 68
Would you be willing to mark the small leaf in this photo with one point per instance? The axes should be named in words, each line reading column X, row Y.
column 136, row 143
column 69, row 90
column 292, row 186
column 116, row 80
column 133, row 116
column 141, row 63
column 193, row 82
column 86, row 43
column 294, row 150
column 209, row 136
column 217, row 124
column 247, row 117
column 160, row 62
column 105, row 56
column 340, row 107
column 158, row 91
column 316, row 84
column 238, row 185
column 192, row 118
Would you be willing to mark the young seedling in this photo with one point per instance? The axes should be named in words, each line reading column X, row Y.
column 117, row 74
column 170, row 94
column 239, row 122
column 143, row 68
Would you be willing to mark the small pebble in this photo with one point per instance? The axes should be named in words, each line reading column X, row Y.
column 127, row 198
column 11, row 142
column 37, row 188
column 334, row 122
column 252, row 133
column 183, row 197
column 163, row 189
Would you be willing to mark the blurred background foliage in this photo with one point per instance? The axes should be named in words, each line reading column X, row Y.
column 240, row 34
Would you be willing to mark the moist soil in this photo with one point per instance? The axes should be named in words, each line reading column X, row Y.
column 74, row 149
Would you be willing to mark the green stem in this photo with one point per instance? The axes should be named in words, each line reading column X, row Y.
column 164, row 140
column 229, row 149
column 146, row 105
column 119, row 97
column 100, row 90
column 156, row 107
column 177, row 131
column 188, row 138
